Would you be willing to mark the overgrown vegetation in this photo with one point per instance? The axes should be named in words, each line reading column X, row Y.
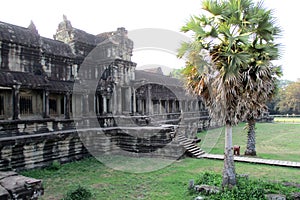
column 79, row 193
column 245, row 189
column 54, row 166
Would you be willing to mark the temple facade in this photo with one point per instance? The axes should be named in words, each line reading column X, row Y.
column 80, row 94
column 78, row 74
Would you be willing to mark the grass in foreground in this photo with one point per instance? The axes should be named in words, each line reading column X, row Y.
column 273, row 140
column 168, row 183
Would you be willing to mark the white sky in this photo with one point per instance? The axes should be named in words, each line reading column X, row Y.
column 96, row 16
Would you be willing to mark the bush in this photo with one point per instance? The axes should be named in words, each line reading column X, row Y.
column 209, row 178
column 245, row 188
column 79, row 193
column 55, row 165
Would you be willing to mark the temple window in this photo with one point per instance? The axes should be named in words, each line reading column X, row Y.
column 26, row 105
column 71, row 104
column 177, row 106
column 52, row 106
column 62, row 106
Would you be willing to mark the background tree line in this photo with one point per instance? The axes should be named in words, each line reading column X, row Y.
column 287, row 99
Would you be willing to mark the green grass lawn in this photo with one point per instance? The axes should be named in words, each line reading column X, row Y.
column 170, row 182
column 273, row 140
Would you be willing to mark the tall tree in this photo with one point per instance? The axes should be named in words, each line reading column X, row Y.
column 289, row 102
column 260, row 77
column 222, row 61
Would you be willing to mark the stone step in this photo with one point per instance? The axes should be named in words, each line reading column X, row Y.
column 189, row 146
column 192, row 148
column 195, row 150
column 185, row 143
column 182, row 139
column 196, row 153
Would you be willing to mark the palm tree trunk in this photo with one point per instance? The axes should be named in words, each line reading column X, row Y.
column 229, row 176
column 250, row 150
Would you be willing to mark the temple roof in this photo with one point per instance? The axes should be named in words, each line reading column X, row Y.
column 56, row 47
column 30, row 37
column 176, row 86
column 84, row 37
column 31, row 81
column 26, row 79
column 157, row 78
column 156, row 70
column 60, row 86
column 19, row 35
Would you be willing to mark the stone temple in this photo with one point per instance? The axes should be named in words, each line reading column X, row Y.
column 57, row 94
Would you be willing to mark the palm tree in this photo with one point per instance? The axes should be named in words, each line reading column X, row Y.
column 260, row 78
column 219, row 61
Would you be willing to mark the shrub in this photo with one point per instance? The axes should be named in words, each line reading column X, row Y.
column 79, row 193
column 209, row 178
column 245, row 188
column 55, row 165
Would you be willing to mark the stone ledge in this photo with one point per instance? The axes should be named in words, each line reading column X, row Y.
column 15, row 186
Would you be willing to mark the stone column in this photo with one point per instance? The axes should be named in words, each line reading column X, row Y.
column 46, row 104
column 133, row 101
column 97, row 104
column 172, row 110
column 119, row 100
column 159, row 107
column 129, row 100
column 104, row 100
column 67, row 105
column 196, row 106
column 115, row 101
column 167, row 105
column 191, row 105
column 132, row 74
column 180, row 105
column 149, row 101
column 85, row 104
column 16, row 101
column 121, row 75
column 186, row 105
column 138, row 101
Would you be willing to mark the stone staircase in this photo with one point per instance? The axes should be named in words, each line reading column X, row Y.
column 191, row 148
